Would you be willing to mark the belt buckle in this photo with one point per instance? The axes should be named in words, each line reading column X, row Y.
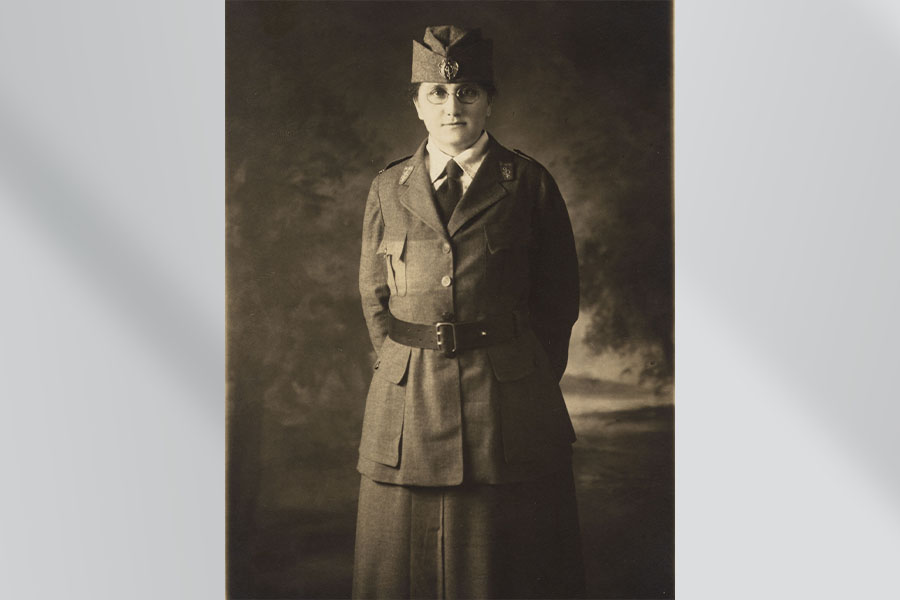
column 440, row 328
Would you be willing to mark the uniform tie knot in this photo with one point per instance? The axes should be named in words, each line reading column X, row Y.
column 453, row 170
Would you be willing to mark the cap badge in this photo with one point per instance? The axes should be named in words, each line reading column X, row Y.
column 449, row 69
column 506, row 171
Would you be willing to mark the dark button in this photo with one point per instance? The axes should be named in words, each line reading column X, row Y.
column 446, row 248
column 448, row 317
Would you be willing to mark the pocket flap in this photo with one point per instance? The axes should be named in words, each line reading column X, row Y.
column 512, row 360
column 393, row 361
column 501, row 235
column 393, row 247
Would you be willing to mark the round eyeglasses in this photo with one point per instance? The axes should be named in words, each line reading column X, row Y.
column 467, row 94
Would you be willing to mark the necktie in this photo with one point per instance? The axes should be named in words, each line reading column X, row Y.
column 450, row 192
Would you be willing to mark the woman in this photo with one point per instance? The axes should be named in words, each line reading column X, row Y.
column 469, row 285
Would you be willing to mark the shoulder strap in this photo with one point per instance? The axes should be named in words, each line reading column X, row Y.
column 395, row 162
column 523, row 155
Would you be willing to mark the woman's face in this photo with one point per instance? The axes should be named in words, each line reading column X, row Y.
column 453, row 124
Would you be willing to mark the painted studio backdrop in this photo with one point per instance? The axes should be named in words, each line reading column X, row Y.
column 315, row 107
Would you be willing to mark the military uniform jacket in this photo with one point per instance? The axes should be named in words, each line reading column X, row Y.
column 488, row 415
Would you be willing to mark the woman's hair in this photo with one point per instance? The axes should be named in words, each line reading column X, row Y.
column 412, row 91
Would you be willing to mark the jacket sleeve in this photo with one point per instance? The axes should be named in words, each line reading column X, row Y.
column 373, row 287
column 554, row 274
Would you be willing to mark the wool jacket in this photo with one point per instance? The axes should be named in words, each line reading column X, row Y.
column 487, row 415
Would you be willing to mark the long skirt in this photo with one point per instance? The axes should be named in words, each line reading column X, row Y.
column 516, row 540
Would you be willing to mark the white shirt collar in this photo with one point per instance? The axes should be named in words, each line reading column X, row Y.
column 469, row 159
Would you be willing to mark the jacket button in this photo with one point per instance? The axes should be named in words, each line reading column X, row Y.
column 446, row 281
column 446, row 248
column 448, row 317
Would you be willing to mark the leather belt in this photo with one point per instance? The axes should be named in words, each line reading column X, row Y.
column 452, row 338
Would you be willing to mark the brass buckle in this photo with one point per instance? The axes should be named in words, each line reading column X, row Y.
column 440, row 328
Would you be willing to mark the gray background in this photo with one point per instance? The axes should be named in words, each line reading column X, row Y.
column 111, row 224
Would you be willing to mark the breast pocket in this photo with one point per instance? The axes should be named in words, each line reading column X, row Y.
column 394, row 251
column 506, row 257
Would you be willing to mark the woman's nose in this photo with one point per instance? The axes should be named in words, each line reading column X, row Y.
column 453, row 106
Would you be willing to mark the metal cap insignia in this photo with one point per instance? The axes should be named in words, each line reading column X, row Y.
column 449, row 68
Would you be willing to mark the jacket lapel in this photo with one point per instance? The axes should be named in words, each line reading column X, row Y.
column 417, row 194
column 489, row 186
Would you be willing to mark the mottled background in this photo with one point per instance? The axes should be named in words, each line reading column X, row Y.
column 315, row 106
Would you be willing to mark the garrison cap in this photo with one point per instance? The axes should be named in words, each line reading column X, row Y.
column 452, row 54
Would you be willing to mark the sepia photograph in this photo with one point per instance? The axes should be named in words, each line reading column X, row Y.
column 449, row 247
